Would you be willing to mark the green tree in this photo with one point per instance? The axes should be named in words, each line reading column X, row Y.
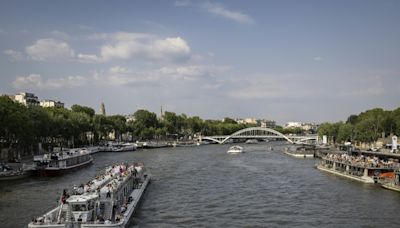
column 119, row 125
column 345, row 133
column 78, row 108
column 144, row 120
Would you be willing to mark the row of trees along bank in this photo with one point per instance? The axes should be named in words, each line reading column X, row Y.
column 23, row 128
column 366, row 127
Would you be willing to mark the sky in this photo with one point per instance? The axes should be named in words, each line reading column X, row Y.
column 307, row 61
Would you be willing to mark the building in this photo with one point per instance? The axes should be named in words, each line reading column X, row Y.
column 266, row 123
column 130, row 118
column 51, row 103
column 102, row 109
column 304, row 126
column 27, row 99
column 258, row 122
column 293, row 125
column 246, row 121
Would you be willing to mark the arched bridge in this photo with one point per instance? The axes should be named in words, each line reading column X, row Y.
column 260, row 133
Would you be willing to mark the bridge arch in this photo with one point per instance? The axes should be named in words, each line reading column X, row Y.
column 262, row 129
column 211, row 139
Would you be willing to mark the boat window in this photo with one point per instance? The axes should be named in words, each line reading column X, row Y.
column 79, row 207
column 91, row 205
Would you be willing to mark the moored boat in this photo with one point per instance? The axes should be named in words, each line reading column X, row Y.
column 361, row 168
column 299, row 152
column 107, row 201
column 123, row 147
column 235, row 150
column 62, row 162
column 251, row 141
column 392, row 182
column 154, row 145
column 8, row 173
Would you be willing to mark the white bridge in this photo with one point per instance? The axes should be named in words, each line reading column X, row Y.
column 260, row 133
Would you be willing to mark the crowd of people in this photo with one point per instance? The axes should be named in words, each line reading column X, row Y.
column 362, row 161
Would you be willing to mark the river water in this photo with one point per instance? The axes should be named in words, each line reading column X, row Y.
column 206, row 187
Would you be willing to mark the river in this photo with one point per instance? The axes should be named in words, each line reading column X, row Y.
column 206, row 187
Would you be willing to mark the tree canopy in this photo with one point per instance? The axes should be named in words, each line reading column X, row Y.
column 368, row 126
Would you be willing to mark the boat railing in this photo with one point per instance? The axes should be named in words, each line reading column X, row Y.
column 364, row 164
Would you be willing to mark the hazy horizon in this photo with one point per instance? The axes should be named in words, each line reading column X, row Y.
column 307, row 61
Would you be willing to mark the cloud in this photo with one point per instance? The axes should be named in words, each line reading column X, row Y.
column 118, row 70
column 264, row 86
column 88, row 58
column 36, row 81
column 15, row 55
column 180, row 3
column 124, row 46
column 193, row 72
column 49, row 49
column 168, row 76
column 219, row 10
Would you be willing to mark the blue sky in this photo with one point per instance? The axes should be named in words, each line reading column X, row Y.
column 310, row 61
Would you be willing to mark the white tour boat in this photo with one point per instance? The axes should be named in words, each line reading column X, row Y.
column 62, row 162
column 235, row 150
column 108, row 201
column 122, row 147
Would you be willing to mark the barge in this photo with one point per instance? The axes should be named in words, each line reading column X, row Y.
column 108, row 201
column 62, row 162
column 300, row 152
column 360, row 168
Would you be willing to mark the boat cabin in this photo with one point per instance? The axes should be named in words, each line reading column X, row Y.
column 83, row 207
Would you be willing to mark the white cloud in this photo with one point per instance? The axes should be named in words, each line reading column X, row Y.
column 193, row 72
column 36, row 81
column 118, row 70
column 120, row 36
column 165, row 76
column 126, row 46
column 49, row 49
column 219, row 10
column 15, row 55
column 88, row 58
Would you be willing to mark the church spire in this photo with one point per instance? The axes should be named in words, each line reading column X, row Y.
column 102, row 109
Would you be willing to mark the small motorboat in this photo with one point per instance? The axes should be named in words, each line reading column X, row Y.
column 235, row 150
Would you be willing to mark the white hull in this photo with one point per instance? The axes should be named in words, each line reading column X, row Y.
column 364, row 179
column 136, row 196
column 299, row 155
column 235, row 150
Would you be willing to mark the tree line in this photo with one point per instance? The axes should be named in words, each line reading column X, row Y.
column 366, row 127
column 23, row 127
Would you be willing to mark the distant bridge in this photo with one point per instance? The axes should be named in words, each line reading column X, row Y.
column 260, row 133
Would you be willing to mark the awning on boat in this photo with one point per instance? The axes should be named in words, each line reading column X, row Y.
column 387, row 175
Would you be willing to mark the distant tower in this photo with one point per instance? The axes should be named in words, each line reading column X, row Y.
column 162, row 114
column 102, row 109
